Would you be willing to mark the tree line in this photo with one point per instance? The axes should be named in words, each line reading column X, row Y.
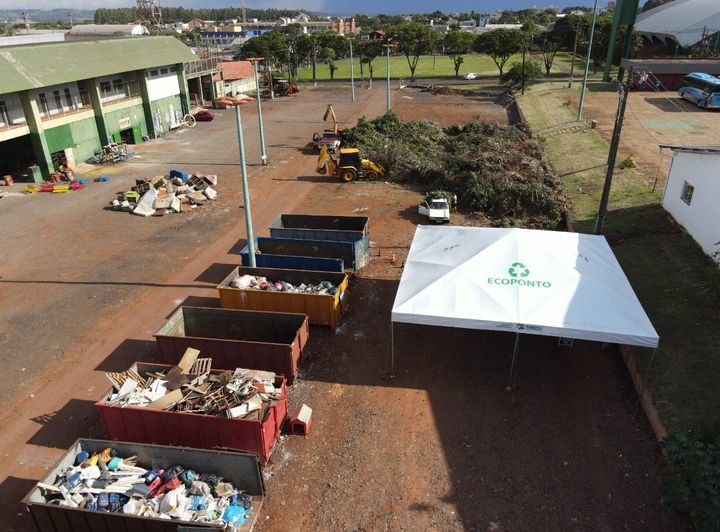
column 289, row 48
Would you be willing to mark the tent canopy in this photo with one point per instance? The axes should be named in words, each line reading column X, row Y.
column 536, row 282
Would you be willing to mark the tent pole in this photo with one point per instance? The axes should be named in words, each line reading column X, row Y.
column 647, row 370
column 513, row 369
column 392, row 348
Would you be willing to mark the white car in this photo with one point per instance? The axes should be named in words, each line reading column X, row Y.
column 471, row 75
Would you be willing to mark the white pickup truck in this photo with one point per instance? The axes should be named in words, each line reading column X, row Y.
column 438, row 210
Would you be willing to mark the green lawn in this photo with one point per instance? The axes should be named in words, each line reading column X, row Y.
column 675, row 281
column 440, row 66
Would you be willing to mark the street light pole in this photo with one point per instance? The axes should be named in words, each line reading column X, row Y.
column 587, row 63
column 245, row 191
column 387, row 46
column 352, row 72
column 572, row 64
column 263, row 155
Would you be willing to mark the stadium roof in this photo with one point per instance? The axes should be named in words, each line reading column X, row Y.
column 681, row 21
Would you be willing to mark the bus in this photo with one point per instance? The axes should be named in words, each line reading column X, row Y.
column 701, row 89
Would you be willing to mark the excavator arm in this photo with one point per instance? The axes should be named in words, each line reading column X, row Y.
column 330, row 113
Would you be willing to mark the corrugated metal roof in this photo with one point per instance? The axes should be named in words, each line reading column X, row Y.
column 32, row 67
column 681, row 20
column 234, row 70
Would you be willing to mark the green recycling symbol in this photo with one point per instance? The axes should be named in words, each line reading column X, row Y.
column 518, row 269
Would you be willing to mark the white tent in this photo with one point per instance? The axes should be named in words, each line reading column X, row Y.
column 520, row 280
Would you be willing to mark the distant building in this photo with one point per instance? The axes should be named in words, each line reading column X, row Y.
column 344, row 26
column 237, row 76
column 376, row 35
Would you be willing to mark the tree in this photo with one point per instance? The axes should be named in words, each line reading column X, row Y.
column 514, row 75
column 328, row 56
column 499, row 45
column 457, row 43
column 368, row 51
column 550, row 46
column 271, row 45
column 413, row 40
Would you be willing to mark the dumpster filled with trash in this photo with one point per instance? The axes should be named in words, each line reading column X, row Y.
column 321, row 295
column 109, row 485
column 154, row 403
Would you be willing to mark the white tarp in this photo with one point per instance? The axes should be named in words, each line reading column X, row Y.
column 549, row 283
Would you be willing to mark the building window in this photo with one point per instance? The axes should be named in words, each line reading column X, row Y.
column 173, row 69
column 687, row 192
column 58, row 101
column 163, row 71
column 4, row 117
column 105, row 87
column 44, row 109
column 68, row 98
column 153, row 73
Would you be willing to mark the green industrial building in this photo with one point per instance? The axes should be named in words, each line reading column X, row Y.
column 61, row 102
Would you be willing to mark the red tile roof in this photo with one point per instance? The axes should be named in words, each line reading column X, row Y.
column 235, row 70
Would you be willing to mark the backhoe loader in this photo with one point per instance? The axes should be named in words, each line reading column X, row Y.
column 349, row 165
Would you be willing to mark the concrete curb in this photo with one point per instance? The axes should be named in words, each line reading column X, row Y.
column 644, row 394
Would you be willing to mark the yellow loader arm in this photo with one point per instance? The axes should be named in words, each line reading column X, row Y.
column 325, row 163
column 371, row 166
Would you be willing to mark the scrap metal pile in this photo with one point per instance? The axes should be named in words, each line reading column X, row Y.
column 105, row 482
column 239, row 394
column 178, row 192
column 261, row 283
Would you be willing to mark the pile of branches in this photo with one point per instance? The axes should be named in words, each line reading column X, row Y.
column 496, row 170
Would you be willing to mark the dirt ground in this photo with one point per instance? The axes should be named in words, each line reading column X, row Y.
column 441, row 445
column 652, row 119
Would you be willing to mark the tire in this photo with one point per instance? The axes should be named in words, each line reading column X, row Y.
column 189, row 120
column 372, row 175
column 348, row 174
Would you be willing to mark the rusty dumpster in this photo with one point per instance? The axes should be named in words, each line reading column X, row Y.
column 202, row 431
column 321, row 309
column 271, row 341
column 241, row 469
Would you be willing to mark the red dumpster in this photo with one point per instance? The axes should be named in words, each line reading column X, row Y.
column 149, row 425
column 270, row 341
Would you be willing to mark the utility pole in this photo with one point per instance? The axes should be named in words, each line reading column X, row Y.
column 263, row 155
column 352, row 72
column 387, row 103
column 314, row 41
column 572, row 64
column 245, row 191
column 587, row 63
column 70, row 14
column 624, row 89
column 523, row 65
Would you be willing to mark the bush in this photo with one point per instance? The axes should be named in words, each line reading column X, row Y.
column 693, row 478
column 494, row 169
column 514, row 75
column 627, row 162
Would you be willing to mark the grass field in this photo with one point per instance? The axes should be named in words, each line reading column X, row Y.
column 675, row 281
column 429, row 67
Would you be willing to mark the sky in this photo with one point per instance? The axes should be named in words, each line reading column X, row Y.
column 348, row 7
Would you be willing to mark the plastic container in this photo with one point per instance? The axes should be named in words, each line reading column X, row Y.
column 202, row 431
column 271, row 341
column 321, row 309
column 242, row 469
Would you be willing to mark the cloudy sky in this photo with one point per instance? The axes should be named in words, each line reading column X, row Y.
column 326, row 6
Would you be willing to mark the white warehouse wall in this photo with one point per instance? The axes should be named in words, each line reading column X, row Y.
column 14, row 108
column 162, row 83
column 702, row 217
